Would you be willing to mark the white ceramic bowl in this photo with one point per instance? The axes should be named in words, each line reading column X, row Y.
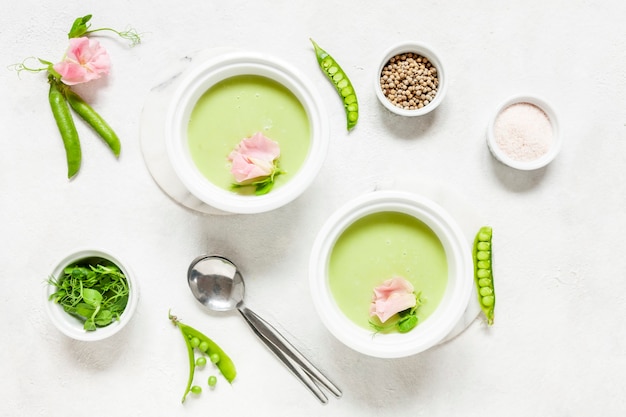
column 70, row 325
column 456, row 297
column 525, row 165
column 196, row 83
column 425, row 51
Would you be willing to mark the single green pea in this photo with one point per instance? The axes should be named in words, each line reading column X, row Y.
column 196, row 389
column 212, row 381
column 483, row 246
column 201, row 361
column 483, row 272
column 483, row 255
column 195, row 342
column 489, row 300
column 484, row 282
column 338, row 77
column 485, row 291
column 484, row 264
column 340, row 80
column 203, row 346
column 214, row 357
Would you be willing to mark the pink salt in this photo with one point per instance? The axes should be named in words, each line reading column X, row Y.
column 523, row 132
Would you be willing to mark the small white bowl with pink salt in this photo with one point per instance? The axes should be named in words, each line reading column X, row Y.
column 524, row 133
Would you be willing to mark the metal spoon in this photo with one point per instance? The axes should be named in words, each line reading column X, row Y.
column 218, row 285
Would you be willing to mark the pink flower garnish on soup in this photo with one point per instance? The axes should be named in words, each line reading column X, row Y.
column 254, row 158
column 391, row 297
column 85, row 60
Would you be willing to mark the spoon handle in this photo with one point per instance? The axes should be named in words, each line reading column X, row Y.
column 296, row 370
column 288, row 353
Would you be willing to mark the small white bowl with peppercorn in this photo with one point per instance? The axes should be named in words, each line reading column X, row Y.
column 410, row 80
column 524, row 133
column 90, row 295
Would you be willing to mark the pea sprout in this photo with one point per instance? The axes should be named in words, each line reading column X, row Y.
column 81, row 27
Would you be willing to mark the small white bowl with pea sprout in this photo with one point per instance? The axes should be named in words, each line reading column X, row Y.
column 108, row 313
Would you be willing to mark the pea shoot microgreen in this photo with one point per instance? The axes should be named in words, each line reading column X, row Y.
column 95, row 294
column 263, row 185
column 406, row 320
column 81, row 27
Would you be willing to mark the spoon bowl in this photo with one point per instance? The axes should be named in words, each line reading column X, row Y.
column 218, row 285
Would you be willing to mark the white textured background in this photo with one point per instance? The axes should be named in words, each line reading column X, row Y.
column 559, row 344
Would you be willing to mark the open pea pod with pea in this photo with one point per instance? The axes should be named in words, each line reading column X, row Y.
column 342, row 84
column 483, row 272
column 196, row 341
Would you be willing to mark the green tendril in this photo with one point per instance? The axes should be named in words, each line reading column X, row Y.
column 130, row 35
column 81, row 27
column 23, row 66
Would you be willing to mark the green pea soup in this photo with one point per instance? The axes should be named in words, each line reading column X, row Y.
column 377, row 247
column 238, row 107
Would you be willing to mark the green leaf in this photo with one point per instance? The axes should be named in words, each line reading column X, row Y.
column 104, row 317
column 92, row 297
column 407, row 323
column 84, row 310
column 79, row 27
column 89, row 325
column 120, row 304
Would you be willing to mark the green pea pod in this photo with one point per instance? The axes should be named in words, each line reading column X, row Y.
column 341, row 82
column 224, row 364
column 483, row 272
column 96, row 121
column 66, row 126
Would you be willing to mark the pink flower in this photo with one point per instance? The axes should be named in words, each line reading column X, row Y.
column 391, row 297
column 254, row 158
column 85, row 60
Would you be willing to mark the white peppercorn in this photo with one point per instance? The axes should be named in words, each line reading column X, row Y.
column 409, row 81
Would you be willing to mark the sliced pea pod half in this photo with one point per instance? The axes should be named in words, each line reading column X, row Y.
column 342, row 84
column 483, row 272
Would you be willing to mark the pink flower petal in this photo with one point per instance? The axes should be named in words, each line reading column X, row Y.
column 391, row 297
column 85, row 60
column 253, row 158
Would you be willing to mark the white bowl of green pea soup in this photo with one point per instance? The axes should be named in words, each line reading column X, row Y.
column 374, row 242
column 91, row 295
column 410, row 80
column 238, row 97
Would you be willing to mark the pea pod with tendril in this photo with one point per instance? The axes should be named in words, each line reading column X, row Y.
column 342, row 84
column 67, row 128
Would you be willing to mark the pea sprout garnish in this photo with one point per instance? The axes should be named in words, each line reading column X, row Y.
column 81, row 27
